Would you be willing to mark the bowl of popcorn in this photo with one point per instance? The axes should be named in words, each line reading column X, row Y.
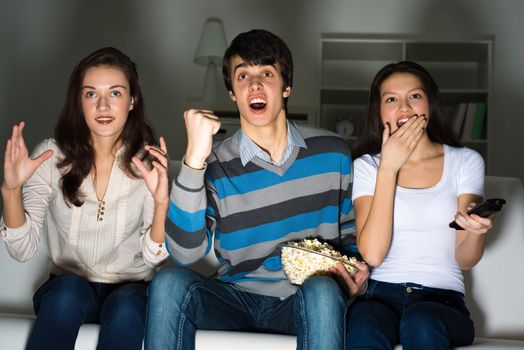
column 310, row 257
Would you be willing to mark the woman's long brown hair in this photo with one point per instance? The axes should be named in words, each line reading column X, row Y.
column 73, row 136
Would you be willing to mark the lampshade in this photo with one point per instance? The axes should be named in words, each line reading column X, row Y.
column 212, row 43
column 209, row 52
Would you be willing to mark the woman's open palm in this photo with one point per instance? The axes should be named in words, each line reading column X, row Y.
column 156, row 179
column 18, row 166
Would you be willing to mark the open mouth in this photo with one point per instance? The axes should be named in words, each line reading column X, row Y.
column 257, row 104
column 402, row 121
column 405, row 119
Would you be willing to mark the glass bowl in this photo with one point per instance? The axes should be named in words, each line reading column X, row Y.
column 310, row 257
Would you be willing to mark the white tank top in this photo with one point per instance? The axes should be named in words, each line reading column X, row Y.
column 423, row 246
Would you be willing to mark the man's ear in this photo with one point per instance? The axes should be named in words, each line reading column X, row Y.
column 286, row 92
column 232, row 96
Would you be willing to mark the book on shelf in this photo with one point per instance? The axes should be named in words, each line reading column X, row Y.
column 458, row 119
column 469, row 121
column 479, row 126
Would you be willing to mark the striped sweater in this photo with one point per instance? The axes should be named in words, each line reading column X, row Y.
column 247, row 212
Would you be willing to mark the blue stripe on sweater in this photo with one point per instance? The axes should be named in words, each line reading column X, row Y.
column 347, row 206
column 211, row 211
column 251, row 279
column 189, row 222
column 310, row 166
column 240, row 277
column 231, row 278
column 274, row 263
column 350, row 224
column 278, row 229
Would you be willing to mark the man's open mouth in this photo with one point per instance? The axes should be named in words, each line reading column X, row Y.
column 257, row 103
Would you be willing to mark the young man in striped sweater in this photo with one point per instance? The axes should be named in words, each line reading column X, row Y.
column 272, row 182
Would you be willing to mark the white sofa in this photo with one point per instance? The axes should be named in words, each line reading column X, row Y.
column 494, row 288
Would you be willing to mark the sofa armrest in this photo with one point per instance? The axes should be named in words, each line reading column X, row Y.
column 494, row 287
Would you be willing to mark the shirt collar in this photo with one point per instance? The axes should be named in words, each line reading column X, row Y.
column 249, row 149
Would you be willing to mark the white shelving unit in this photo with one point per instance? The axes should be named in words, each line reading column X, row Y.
column 462, row 69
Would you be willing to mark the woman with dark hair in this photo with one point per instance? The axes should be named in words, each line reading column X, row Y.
column 98, row 190
column 438, row 130
column 410, row 180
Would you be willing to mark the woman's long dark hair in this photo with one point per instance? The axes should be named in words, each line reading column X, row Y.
column 73, row 136
column 438, row 129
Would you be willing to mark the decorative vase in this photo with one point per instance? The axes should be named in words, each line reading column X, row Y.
column 345, row 127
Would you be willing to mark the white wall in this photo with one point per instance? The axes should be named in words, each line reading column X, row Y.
column 40, row 42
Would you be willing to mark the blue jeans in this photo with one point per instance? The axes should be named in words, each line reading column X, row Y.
column 415, row 316
column 182, row 301
column 65, row 302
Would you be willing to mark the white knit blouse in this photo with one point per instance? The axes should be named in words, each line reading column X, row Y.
column 104, row 241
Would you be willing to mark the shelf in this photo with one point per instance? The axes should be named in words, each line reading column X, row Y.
column 453, row 99
column 457, row 75
column 362, row 51
column 340, row 73
column 344, row 96
column 461, row 69
column 464, row 91
column 447, row 52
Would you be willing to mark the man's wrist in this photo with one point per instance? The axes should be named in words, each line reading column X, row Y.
column 364, row 287
column 196, row 165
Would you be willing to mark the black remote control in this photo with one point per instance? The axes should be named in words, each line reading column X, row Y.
column 489, row 207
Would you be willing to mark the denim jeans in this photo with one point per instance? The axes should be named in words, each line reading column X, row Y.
column 65, row 302
column 182, row 301
column 418, row 317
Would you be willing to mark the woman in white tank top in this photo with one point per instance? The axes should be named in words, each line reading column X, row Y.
column 411, row 179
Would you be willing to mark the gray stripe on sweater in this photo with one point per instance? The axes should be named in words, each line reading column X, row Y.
column 270, row 195
column 184, row 255
column 192, row 201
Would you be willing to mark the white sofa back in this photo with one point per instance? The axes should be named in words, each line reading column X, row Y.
column 494, row 287
column 19, row 281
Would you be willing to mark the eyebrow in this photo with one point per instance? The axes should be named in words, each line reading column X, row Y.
column 240, row 65
column 395, row 93
column 244, row 64
column 111, row 87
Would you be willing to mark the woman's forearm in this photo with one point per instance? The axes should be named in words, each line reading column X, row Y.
column 159, row 219
column 470, row 251
column 13, row 213
column 374, row 236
